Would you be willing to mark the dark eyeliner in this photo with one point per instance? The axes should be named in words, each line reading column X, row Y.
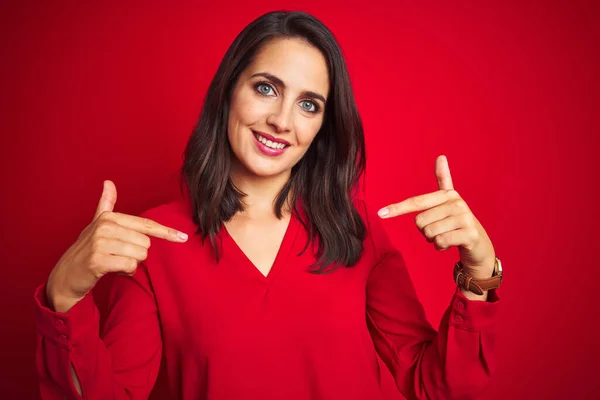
column 269, row 84
column 259, row 83
column 317, row 107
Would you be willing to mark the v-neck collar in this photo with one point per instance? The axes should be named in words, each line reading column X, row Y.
column 280, row 259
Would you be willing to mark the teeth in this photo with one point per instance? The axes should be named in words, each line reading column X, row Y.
column 269, row 143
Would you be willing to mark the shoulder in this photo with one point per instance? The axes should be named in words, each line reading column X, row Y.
column 165, row 257
column 376, row 236
column 176, row 213
column 367, row 211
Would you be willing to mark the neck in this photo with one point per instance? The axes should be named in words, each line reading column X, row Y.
column 261, row 192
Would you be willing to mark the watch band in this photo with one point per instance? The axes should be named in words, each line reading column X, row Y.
column 478, row 286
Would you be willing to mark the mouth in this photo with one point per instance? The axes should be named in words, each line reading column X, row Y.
column 270, row 145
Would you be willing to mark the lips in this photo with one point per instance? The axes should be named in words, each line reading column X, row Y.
column 271, row 138
column 269, row 145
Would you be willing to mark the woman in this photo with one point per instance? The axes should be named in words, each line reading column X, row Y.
column 297, row 288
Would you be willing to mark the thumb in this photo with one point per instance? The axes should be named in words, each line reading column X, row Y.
column 442, row 173
column 108, row 198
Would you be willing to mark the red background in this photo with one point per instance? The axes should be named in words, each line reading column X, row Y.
column 507, row 90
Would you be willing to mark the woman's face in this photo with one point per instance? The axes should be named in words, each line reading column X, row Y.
column 277, row 107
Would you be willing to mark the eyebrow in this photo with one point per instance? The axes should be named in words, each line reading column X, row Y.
column 279, row 82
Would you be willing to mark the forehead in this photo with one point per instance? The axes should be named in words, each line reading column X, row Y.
column 298, row 64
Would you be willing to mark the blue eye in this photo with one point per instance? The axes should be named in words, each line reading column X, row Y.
column 264, row 89
column 309, row 106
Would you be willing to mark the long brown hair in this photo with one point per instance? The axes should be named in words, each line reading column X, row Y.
column 325, row 180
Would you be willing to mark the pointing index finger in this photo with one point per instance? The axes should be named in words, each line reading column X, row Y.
column 149, row 227
column 416, row 203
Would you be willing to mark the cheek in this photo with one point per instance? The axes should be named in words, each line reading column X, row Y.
column 245, row 109
column 308, row 131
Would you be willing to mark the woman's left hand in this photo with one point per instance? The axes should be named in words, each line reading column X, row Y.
column 447, row 221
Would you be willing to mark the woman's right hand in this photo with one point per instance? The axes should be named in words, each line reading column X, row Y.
column 112, row 242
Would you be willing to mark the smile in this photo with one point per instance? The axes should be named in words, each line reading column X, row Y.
column 269, row 145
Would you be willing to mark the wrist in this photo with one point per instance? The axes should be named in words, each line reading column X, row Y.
column 62, row 304
column 485, row 270
column 59, row 302
column 473, row 296
column 480, row 272
column 476, row 280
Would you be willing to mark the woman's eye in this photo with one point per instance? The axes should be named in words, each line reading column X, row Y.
column 265, row 89
column 308, row 106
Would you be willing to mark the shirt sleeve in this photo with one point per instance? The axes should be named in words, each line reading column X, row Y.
column 121, row 362
column 453, row 362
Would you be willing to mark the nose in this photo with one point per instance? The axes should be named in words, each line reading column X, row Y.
column 281, row 118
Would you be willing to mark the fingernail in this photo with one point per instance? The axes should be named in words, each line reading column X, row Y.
column 182, row 236
column 383, row 212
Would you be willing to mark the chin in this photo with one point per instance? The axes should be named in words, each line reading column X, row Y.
column 267, row 171
column 263, row 166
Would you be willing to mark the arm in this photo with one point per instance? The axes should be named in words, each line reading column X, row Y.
column 453, row 362
column 122, row 363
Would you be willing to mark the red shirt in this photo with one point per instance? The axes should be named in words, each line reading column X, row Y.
column 227, row 332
